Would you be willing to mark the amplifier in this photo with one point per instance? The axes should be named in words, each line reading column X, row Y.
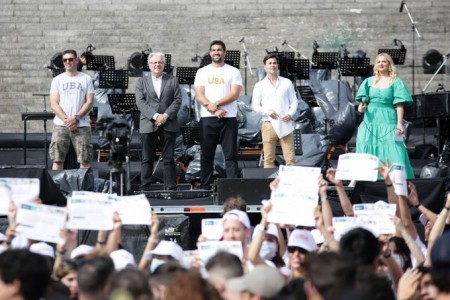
column 168, row 195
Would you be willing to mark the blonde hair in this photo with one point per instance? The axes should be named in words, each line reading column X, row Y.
column 392, row 69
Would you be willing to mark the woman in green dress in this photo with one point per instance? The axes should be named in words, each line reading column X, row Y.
column 383, row 98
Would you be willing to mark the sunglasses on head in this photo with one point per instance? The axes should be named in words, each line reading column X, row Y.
column 292, row 249
column 68, row 59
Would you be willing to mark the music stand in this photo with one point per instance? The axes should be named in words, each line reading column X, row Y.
column 99, row 62
column 113, row 79
column 125, row 104
column 297, row 69
column 232, row 58
column 307, row 95
column 398, row 55
column 186, row 75
column 325, row 60
column 167, row 66
column 191, row 135
column 354, row 66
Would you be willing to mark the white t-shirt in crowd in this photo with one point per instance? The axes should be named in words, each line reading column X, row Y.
column 217, row 82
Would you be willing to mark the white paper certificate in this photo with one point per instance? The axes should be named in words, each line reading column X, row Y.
column 5, row 198
column 380, row 212
column 342, row 225
column 40, row 222
column 90, row 211
column 398, row 178
column 207, row 249
column 212, row 229
column 22, row 189
column 281, row 128
column 296, row 197
column 133, row 210
column 357, row 166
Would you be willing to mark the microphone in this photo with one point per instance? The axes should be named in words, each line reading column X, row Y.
column 284, row 43
column 242, row 40
column 401, row 6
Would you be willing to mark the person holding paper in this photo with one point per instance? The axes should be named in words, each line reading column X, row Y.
column 275, row 99
column 383, row 98
column 217, row 87
column 158, row 97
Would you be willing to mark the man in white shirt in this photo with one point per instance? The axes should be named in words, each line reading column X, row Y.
column 71, row 99
column 275, row 99
column 217, row 87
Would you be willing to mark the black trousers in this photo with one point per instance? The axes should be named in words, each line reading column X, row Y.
column 212, row 132
column 166, row 142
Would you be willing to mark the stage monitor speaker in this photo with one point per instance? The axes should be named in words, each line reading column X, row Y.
column 251, row 190
column 49, row 192
column 259, row 172
column 431, row 193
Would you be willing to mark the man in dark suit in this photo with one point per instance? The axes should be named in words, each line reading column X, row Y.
column 158, row 98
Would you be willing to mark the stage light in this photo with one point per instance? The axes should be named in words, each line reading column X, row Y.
column 56, row 65
column 432, row 60
column 135, row 64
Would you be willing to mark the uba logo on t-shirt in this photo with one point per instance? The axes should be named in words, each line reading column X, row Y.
column 72, row 86
column 216, row 80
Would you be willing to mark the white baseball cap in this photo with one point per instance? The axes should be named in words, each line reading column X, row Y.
column 122, row 259
column 168, row 248
column 303, row 239
column 43, row 249
column 81, row 250
column 239, row 215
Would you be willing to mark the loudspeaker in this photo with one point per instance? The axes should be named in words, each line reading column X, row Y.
column 259, row 172
column 251, row 190
column 49, row 192
column 431, row 193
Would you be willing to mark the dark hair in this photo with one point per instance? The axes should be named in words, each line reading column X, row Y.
column 227, row 264
column 190, row 286
column 360, row 246
column 234, row 203
column 217, row 42
column 30, row 269
column 269, row 56
column 132, row 281
column 293, row 290
column 65, row 268
column 166, row 271
column 94, row 274
column 329, row 271
column 403, row 250
column 69, row 51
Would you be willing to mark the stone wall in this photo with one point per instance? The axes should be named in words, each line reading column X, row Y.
column 32, row 31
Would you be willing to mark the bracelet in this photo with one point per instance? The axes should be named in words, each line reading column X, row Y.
column 260, row 228
column 389, row 185
column 387, row 255
column 417, row 205
column 101, row 243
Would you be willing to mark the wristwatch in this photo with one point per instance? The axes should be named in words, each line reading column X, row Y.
column 77, row 117
column 217, row 103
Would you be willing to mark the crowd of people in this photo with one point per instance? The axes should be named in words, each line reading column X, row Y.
column 277, row 262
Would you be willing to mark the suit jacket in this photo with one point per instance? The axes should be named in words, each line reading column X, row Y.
column 148, row 102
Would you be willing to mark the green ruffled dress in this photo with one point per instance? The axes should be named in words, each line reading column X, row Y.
column 376, row 133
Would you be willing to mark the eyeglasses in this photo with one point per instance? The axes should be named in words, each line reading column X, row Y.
column 68, row 59
column 157, row 62
column 292, row 249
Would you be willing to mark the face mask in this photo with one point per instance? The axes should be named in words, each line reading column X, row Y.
column 155, row 264
column 268, row 250
column 399, row 259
